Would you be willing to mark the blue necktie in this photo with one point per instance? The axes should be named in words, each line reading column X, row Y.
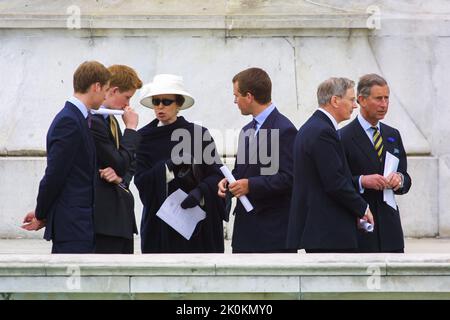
column 89, row 119
column 254, row 124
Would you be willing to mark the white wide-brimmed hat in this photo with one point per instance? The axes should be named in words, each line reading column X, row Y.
column 165, row 84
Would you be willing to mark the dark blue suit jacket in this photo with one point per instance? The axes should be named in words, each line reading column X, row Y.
column 66, row 192
column 265, row 228
column 325, row 204
column 363, row 160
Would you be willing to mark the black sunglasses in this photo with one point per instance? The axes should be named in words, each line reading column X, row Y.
column 165, row 102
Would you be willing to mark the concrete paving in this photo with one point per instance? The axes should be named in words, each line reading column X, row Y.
column 40, row 246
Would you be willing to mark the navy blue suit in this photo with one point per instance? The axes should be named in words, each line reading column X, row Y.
column 264, row 229
column 325, row 204
column 363, row 160
column 66, row 192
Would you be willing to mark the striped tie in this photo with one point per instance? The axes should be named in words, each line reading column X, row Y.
column 378, row 143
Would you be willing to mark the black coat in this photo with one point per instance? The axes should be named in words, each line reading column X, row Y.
column 114, row 205
column 265, row 228
column 325, row 204
column 363, row 160
column 155, row 149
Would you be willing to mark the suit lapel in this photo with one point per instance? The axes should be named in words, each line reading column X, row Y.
column 362, row 141
column 86, row 131
column 107, row 124
column 242, row 152
column 389, row 142
column 254, row 143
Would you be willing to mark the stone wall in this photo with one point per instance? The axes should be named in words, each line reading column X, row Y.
column 299, row 43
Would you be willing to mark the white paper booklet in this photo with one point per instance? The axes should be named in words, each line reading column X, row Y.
column 182, row 220
column 390, row 165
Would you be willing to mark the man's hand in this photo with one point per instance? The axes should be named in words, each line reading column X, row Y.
column 367, row 217
column 30, row 222
column 239, row 188
column 222, row 188
column 394, row 181
column 110, row 175
column 374, row 181
column 29, row 217
column 130, row 118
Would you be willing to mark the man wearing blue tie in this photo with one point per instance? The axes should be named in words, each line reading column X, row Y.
column 66, row 192
column 366, row 141
column 266, row 181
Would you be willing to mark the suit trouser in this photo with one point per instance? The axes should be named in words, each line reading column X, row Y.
column 111, row 244
column 73, row 247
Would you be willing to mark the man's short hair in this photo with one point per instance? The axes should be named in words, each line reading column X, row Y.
column 255, row 81
column 88, row 73
column 367, row 81
column 333, row 87
column 124, row 77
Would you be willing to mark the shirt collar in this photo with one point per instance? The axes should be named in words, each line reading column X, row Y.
column 80, row 105
column 365, row 124
column 260, row 118
column 333, row 120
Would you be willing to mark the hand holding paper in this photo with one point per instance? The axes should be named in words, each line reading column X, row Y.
column 183, row 221
column 244, row 200
column 367, row 226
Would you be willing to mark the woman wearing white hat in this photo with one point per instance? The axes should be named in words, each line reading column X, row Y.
column 157, row 176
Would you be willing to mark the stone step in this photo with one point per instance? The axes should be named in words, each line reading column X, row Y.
column 40, row 246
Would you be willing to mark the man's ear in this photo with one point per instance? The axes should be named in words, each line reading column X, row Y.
column 334, row 101
column 362, row 101
column 96, row 87
column 114, row 89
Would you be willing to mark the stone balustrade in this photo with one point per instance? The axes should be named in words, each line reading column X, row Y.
column 225, row 276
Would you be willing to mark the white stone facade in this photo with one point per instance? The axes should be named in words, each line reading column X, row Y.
column 299, row 43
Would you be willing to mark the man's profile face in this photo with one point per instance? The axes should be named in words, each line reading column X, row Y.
column 243, row 101
column 115, row 99
column 375, row 106
column 346, row 104
column 98, row 94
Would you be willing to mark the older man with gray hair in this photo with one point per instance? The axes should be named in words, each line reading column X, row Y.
column 326, row 208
